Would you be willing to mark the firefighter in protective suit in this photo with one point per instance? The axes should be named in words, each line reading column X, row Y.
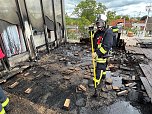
column 4, row 100
column 103, row 41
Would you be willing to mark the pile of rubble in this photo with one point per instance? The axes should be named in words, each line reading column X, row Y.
column 63, row 79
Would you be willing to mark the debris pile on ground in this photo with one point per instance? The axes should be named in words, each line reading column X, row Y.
column 63, row 79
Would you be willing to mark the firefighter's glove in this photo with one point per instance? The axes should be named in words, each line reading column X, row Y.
column 94, row 55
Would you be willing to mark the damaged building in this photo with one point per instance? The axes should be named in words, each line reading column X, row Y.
column 29, row 27
column 42, row 73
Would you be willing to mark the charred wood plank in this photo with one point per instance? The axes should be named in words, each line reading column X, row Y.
column 147, row 72
column 67, row 104
column 147, row 86
column 28, row 90
column 13, row 85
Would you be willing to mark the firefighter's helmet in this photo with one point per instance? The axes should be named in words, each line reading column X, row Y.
column 100, row 21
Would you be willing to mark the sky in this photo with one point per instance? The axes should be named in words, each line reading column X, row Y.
column 134, row 8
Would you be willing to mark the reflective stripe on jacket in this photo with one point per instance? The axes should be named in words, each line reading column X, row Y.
column 5, row 103
column 101, row 60
column 115, row 30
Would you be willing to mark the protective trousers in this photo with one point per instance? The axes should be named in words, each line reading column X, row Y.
column 2, row 111
column 100, row 69
column 4, row 100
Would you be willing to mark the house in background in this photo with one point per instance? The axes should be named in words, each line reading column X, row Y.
column 139, row 25
column 125, row 23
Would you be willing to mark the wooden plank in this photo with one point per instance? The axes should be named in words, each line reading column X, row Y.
column 130, row 84
column 109, row 87
column 150, row 70
column 67, row 104
column 11, row 74
column 139, row 50
column 13, row 85
column 83, row 64
column 115, row 87
column 87, row 77
column 83, row 88
column 147, row 72
column 147, row 86
column 131, row 41
column 66, row 78
column 134, row 50
column 122, row 93
column 28, row 90
column 150, row 64
column 147, row 52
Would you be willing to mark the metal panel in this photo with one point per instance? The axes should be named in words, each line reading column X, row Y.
column 48, row 10
column 39, row 40
column 45, row 27
column 49, row 23
column 13, row 61
column 23, row 10
column 63, row 19
column 8, row 11
column 59, row 30
column 4, row 25
column 35, row 14
column 57, row 6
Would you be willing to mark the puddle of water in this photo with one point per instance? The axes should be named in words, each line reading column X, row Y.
column 134, row 95
column 69, row 54
column 67, row 63
column 121, row 107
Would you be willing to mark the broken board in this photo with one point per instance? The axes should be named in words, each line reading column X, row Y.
column 147, row 70
column 134, row 50
column 28, row 90
column 13, row 85
column 140, row 51
column 147, row 87
column 67, row 104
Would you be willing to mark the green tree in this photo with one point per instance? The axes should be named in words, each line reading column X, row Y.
column 126, row 17
column 83, row 24
column 138, row 18
column 110, row 16
column 100, row 8
column 118, row 17
column 89, row 9
column 71, row 21
column 67, row 19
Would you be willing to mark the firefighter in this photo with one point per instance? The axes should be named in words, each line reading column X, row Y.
column 119, row 34
column 4, row 100
column 103, row 41
column 2, row 111
column 115, row 37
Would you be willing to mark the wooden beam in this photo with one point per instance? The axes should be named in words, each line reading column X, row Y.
column 28, row 90
column 67, row 104
column 147, row 86
column 147, row 72
column 13, row 85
